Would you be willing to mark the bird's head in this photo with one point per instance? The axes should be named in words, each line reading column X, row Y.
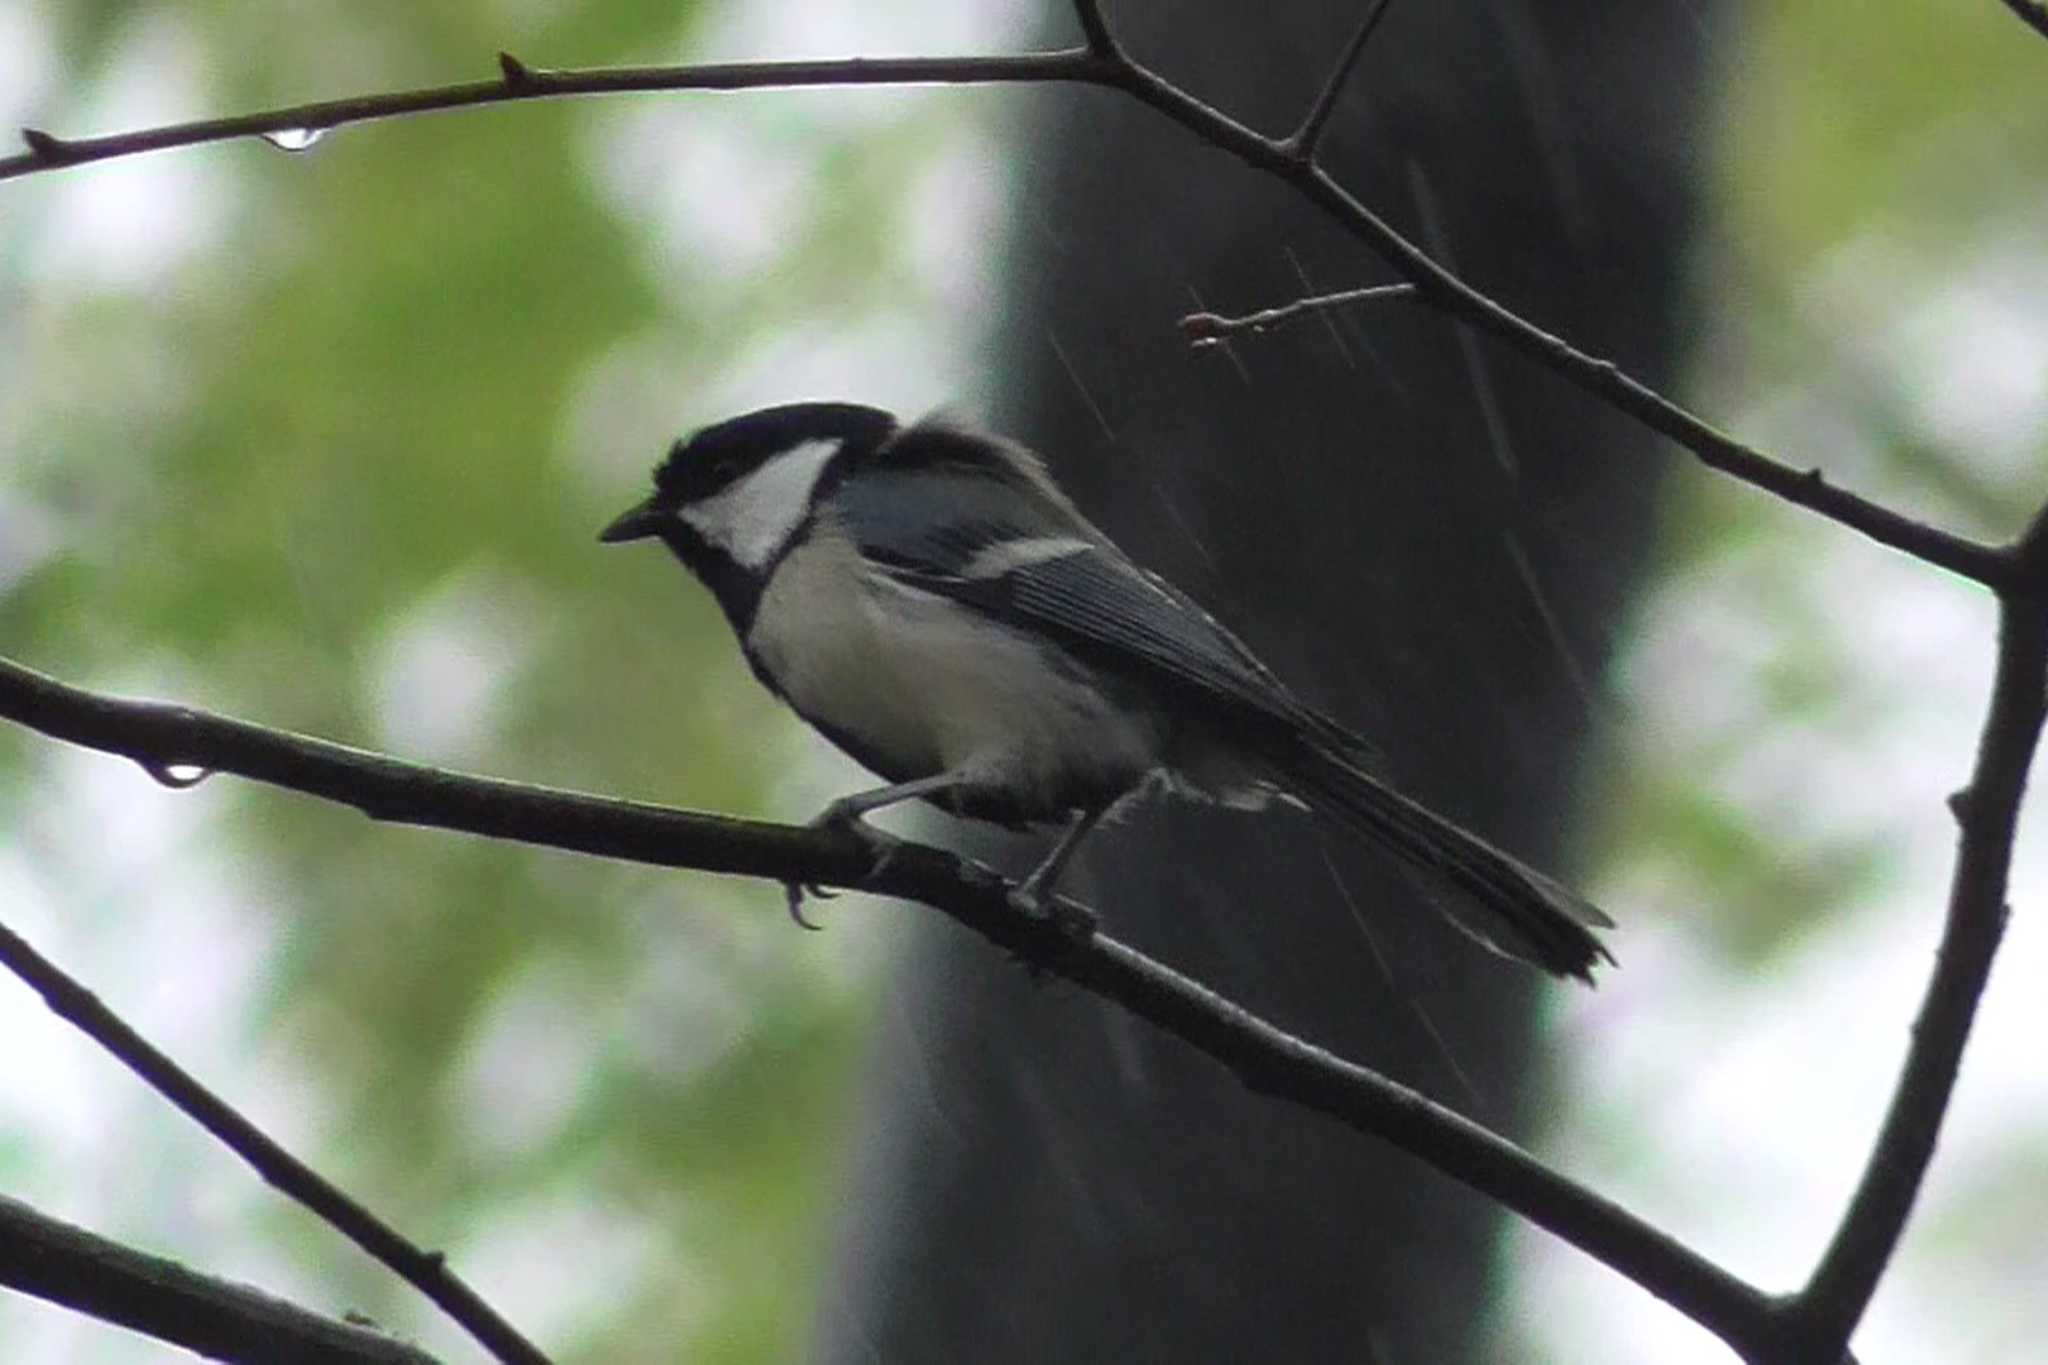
column 739, row 490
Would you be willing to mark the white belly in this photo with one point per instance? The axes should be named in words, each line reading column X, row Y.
column 928, row 686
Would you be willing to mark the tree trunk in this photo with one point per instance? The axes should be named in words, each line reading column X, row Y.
column 1424, row 535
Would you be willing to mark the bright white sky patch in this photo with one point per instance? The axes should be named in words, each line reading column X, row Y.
column 898, row 361
column 1737, row 1115
column 750, row 30
column 559, row 1259
column 528, row 1060
column 1975, row 356
column 26, row 65
column 130, row 223
column 444, row 665
column 953, row 212
column 718, row 192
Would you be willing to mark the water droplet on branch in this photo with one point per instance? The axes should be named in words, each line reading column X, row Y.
column 176, row 776
column 294, row 139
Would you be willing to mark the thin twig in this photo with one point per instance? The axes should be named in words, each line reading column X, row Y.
column 518, row 81
column 217, row 1318
column 2032, row 13
column 162, row 737
column 1302, row 142
column 426, row 1271
column 1436, row 286
column 1210, row 329
column 1441, row 289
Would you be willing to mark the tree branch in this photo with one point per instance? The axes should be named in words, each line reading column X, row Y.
column 217, row 1318
column 1110, row 68
column 1096, row 29
column 1443, row 290
column 1810, row 1326
column 2032, row 13
column 426, row 1271
column 162, row 737
column 1301, row 143
column 1834, row 1300
column 518, row 81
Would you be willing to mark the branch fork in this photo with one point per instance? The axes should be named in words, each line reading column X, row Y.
column 179, row 746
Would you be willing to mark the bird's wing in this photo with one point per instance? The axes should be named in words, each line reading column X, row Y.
column 1033, row 562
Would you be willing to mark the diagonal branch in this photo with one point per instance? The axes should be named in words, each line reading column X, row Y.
column 1602, row 378
column 1301, row 143
column 217, row 1318
column 1842, row 1285
column 1435, row 285
column 2032, row 13
column 163, row 737
column 426, row 1271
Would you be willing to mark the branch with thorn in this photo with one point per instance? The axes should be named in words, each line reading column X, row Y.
column 159, row 736
column 1812, row 1325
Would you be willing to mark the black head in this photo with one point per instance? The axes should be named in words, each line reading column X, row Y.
column 717, row 457
column 732, row 498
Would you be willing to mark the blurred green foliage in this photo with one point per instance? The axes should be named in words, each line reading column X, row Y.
column 320, row 470
column 1840, row 115
column 1864, row 175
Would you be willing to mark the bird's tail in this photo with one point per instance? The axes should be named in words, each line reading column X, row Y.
column 1500, row 901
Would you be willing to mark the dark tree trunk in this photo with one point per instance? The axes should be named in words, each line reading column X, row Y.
column 1425, row 535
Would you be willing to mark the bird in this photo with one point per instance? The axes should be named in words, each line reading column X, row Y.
column 928, row 599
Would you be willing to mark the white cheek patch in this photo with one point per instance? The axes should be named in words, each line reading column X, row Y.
column 752, row 518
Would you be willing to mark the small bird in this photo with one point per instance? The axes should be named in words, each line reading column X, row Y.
column 931, row 602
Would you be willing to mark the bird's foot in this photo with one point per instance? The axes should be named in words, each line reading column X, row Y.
column 840, row 818
column 793, row 894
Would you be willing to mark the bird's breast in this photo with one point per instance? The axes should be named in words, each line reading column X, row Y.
column 912, row 683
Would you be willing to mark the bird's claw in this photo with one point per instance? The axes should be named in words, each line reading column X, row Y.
column 794, row 893
column 835, row 818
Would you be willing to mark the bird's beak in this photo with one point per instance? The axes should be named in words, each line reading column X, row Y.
column 636, row 524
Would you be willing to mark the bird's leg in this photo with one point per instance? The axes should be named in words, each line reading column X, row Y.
column 846, row 814
column 849, row 810
column 1036, row 894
